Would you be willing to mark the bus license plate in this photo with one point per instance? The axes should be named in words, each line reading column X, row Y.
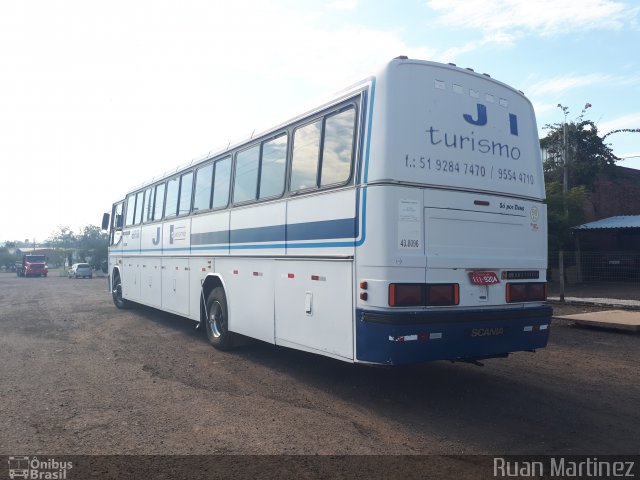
column 483, row 278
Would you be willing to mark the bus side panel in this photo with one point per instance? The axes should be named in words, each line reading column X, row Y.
column 176, row 237
column 258, row 229
column 314, row 306
column 151, row 239
column 130, row 277
column 322, row 224
column 131, row 241
column 394, row 228
column 249, row 287
column 210, row 233
column 150, row 281
column 175, row 285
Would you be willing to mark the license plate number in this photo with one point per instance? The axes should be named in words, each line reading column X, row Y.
column 483, row 278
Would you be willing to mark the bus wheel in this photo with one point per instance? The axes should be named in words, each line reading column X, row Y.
column 217, row 320
column 116, row 293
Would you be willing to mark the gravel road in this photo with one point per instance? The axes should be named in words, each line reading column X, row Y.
column 81, row 377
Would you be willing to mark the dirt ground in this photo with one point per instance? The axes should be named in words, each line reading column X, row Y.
column 81, row 377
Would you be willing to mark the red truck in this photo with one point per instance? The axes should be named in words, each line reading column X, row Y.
column 32, row 266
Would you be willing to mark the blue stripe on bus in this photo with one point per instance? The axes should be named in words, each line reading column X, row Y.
column 322, row 230
column 271, row 233
column 210, row 238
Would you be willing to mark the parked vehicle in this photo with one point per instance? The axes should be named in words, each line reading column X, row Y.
column 83, row 270
column 32, row 266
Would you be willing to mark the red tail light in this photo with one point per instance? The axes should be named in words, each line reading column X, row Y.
column 422, row 294
column 526, row 292
column 406, row 294
column 447, row 294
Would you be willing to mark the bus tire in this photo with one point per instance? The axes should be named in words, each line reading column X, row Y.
column 217, row 320
column 116, row 293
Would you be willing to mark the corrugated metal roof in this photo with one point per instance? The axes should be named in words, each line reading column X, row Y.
column 623, row 221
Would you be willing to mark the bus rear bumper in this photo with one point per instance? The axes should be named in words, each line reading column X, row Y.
column 396, row 338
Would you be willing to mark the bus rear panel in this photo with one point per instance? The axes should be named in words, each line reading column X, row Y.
column 455, row 259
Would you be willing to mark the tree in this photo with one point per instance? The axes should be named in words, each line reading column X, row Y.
column 7, row 259
column 92, row 245
column 88, row 246
column 558, row 224
column 586, row 153
column 587, row 156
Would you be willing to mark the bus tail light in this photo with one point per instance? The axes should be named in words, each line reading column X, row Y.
column 406, row 294
column 526, row 292
column 422, row 294
column 446, row 294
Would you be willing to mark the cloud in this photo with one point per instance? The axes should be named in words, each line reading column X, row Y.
column 540, row 17
column 564, row 83
column 631, row 120
column 567, row 82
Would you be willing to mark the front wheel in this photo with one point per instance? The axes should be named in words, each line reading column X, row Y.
column 218, row 321
column 116, row 293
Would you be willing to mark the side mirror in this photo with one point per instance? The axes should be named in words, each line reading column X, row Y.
column 105, row 221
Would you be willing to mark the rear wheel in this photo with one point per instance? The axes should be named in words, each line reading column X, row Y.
column 218, row 321
column 116, row 293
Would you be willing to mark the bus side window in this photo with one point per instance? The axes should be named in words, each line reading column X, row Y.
column 245, row 186
column 202, row 195
column 148, row 205
column 221, row 183
column 337, row 148
column 131, row 208
column 118, row 223
column 272, row 167
column 159, row 203
column 171, row 204
column 306, row 152
column 186, row 188
column 139, row 208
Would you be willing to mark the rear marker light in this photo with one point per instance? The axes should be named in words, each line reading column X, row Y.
column 364, row 285
column 364, row 296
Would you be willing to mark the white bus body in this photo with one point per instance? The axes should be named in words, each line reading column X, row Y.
column 402, row 221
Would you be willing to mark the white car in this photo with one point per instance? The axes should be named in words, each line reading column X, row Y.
column 83, row 270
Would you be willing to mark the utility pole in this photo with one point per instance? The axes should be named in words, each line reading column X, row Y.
column 565, row 189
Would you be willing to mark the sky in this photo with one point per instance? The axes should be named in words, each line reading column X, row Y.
column 99, row 97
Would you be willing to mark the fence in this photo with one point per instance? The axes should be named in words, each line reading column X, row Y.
column 605, row 266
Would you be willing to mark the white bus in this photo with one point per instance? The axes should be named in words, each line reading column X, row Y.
column 401, row 221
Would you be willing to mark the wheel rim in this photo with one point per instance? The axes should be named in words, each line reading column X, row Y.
column 216, row 319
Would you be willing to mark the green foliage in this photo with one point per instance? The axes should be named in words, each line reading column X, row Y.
column 559, row 224
column 587, row 154
column 92, row 245
column 88, row 246
column 7, row 258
